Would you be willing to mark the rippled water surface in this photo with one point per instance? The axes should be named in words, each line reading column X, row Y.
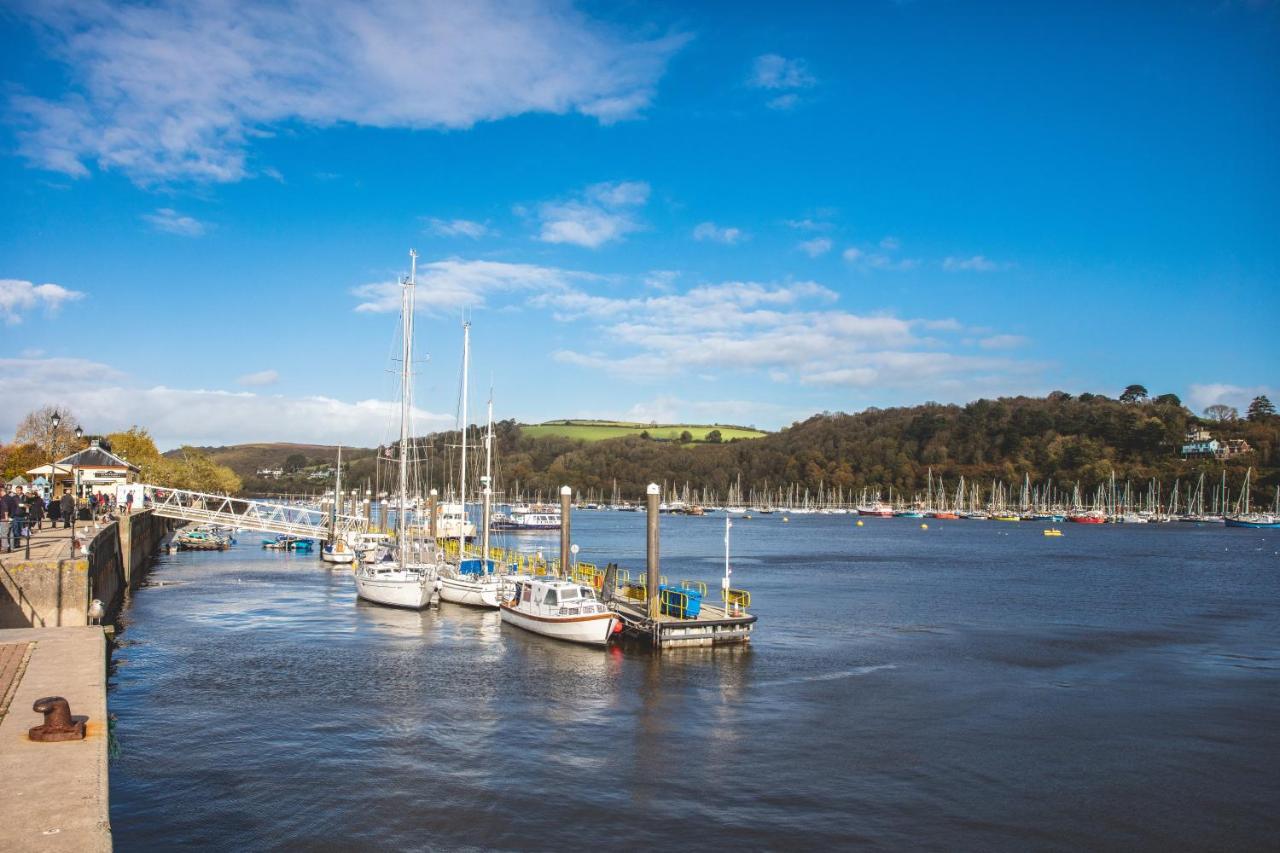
column 970, row 686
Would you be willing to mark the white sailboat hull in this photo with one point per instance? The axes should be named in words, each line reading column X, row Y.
column 336, row 556
column 472, row 591
column 396, row 588
column 592, row 630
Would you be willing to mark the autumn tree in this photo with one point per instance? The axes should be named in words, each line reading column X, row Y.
column 54, row 440
column 1260, row 408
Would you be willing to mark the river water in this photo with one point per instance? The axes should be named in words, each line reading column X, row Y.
column 975, row 686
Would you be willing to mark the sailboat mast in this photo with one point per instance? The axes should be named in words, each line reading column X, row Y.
column 406, row 403
column 488, row 483
column 466, row 366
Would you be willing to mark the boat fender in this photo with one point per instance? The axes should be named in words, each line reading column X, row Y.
column 617, row 626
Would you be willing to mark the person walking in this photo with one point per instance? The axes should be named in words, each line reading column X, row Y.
column 6, row 513
column 17, row 520
column 35, row 505
column 128, row 503
column 53, row 509
column 68, row 506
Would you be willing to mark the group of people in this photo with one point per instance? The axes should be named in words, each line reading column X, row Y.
column 23, row 510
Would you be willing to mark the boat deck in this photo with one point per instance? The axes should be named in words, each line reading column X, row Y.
column 711, row 627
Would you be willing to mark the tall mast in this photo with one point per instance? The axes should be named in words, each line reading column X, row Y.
column 488, row 486
column 466, row 366
column 406, row 404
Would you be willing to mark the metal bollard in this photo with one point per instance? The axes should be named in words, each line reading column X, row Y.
column 58, row 723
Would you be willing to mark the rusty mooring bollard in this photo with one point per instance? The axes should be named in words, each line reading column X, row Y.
column 58, row 722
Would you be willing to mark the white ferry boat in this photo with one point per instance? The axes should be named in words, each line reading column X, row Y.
column 520, row 518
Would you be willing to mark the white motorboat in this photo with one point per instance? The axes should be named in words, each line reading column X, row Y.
column 524, row 518
column 408, row 575
column 452, row 522
column 561, row 609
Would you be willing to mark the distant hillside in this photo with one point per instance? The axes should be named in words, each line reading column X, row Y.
column 297, row 462
column 589, row 430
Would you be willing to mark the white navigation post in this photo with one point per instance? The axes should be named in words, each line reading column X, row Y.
column 724, row 584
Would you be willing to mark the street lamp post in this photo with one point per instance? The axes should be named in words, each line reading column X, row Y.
column 75, row 493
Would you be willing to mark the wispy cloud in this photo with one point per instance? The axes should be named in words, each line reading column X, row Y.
column 710, row 231
column 974, row 263
column 1202, row 395
column 771, row 71
column 176, row 89
column 112, row 400
column 168, row 220
column 864, row 259
column 258, row 379
column 815, row 247
column 808, row 224
column 17, row 297
column 602, row 214
column 457, row 228
column 455, row 283
column 1003, row 342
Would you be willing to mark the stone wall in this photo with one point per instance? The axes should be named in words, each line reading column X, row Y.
column 57, row 592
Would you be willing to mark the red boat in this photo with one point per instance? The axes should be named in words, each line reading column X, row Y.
column 1087, row 519
column 877, row 511
column 945, row 515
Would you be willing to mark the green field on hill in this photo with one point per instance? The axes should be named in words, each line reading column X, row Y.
column 600, row 430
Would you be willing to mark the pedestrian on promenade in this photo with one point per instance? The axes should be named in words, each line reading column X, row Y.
column 36, row 510
column 6, row 513
column 128, row 503
column 68, row 506
column 17, row 519
column 53, row 510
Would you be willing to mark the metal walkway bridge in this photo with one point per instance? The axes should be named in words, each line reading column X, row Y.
column 265, row 516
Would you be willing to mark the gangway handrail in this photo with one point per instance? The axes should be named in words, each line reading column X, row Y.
column 264, row 516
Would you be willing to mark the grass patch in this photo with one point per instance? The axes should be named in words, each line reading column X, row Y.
column 587, row 430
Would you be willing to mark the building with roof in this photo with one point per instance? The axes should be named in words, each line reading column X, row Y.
column 91, row 471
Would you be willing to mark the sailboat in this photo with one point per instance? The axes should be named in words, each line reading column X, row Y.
column 336, row 550
column 1255, row 520
column 406, row 576
column 473, row 581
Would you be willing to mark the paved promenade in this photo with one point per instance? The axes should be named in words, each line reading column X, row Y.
column 53, row 796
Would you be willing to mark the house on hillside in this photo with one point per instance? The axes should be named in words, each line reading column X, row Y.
column 1199, row 442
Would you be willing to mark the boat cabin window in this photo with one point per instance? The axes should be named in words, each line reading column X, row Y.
column 528, row 594
column 569, row 594
column 550, row 597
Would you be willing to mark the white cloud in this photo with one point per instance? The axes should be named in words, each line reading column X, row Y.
column 815, row 247
column 772, row 71
column 262, row 377
column 18, row 296
column 171, row 222
column 976, row 263
column 785, row 332
column 1201, row 396
column 600, row 215
column 1003, row 342
column 866, row 260
column 670, row 409
column 457, row 228
column 455, row 283
column 106, row 400
column 175, row 90
column 808, row 224
column 783, row 102
column 716, row 234
column 891, row 244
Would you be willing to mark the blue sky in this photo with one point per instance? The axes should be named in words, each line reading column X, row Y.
column 735, row 212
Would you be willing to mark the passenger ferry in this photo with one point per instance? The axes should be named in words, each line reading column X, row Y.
column 524, row 518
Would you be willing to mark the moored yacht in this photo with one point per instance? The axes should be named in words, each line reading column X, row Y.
column 408, row 574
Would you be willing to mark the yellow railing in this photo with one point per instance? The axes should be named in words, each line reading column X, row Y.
column 673, row 602
column 698, row 585
column 736, row 598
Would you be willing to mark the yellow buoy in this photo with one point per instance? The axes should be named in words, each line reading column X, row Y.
column 924, row 527
column 785, row 519
column 859, row 522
